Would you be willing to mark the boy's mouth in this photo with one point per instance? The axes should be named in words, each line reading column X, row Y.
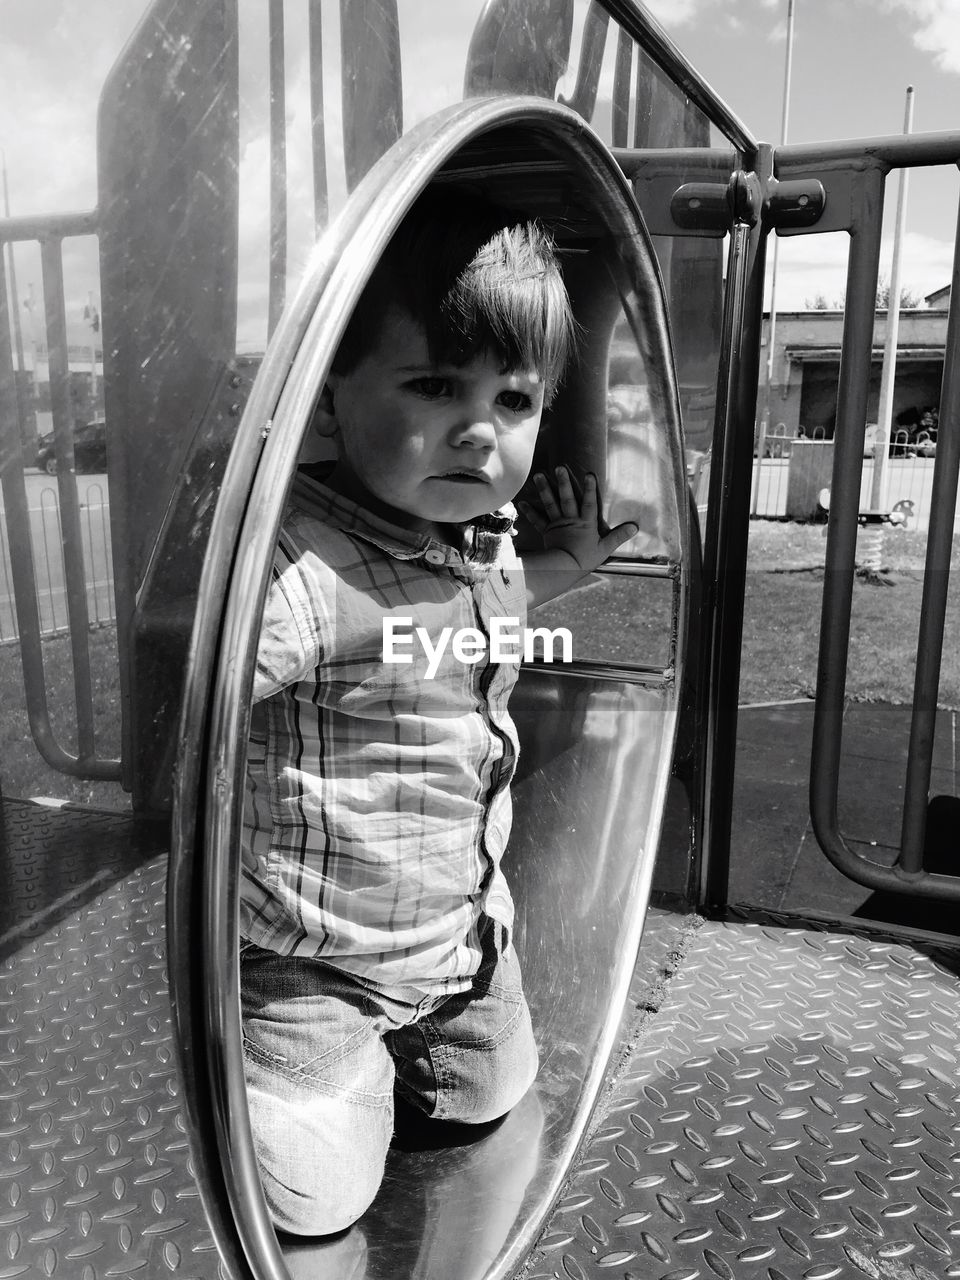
column 463, row 477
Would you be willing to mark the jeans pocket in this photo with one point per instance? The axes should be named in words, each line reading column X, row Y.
column 303, row 1020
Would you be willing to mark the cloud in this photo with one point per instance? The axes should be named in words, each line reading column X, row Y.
column 674, row 13
column 817, row 264
column 936, row 28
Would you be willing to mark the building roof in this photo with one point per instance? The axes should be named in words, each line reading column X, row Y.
column 939, row 297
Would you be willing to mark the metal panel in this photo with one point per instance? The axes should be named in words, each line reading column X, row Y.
column 519, row 46
column 94, row 1159
column 788, row 1111
column 372, row 96
column 167, row 152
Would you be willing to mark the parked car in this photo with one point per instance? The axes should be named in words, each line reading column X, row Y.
column 89, row 448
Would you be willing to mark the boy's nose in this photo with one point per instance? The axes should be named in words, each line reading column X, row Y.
column 476, row 430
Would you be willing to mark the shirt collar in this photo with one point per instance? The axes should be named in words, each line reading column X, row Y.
column 482, row 535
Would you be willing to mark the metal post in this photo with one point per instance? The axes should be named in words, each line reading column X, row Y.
column 278, row 166
column 784, row 128
column 15, row 313
column 772, row 325
column 881, row 453
column 321, row 210
column 936, row 585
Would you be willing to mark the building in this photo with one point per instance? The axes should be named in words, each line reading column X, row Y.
column 806, row 365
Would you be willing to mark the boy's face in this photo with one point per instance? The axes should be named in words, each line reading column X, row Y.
column 433, row 444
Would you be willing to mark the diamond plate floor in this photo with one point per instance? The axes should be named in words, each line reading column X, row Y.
column 790, row 1112
column 95, row 1179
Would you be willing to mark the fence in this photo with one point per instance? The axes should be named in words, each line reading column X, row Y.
column 46, row 539
column 910, row 476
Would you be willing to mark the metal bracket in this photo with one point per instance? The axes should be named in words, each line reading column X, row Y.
column 794, row 204
column 712, row 208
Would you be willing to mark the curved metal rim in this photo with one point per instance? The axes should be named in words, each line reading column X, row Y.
column 237, row 568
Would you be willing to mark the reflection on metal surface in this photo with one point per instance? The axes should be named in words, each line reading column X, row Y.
column 587, row 811
column 519, row 46
column 791, row 1106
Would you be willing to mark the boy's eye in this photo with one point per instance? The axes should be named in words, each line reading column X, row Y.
column 429, row 388
column 516, row 401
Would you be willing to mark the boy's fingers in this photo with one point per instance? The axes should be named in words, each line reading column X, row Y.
column 546, row 495
column 590, row 502
column 616, row 537
column 569, row 499
column 531, row 515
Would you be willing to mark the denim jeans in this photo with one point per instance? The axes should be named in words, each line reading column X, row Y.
column 324, row 1053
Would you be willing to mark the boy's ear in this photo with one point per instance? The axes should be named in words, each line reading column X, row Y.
column 320, row 444
column 324, row 421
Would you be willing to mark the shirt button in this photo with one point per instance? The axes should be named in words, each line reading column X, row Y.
column 435, row 557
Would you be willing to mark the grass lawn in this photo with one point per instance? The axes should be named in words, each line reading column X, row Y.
column 782, row 619
column 612, row 619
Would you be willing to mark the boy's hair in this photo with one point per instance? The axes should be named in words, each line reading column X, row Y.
column 475, row 278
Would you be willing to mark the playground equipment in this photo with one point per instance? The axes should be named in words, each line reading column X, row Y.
column 722, row 1091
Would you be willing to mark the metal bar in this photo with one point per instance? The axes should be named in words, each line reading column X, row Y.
column 637, row 163
column 658, row 46
column 855, row 361
column 318, row 136
column 620, row 118
column 56, row 225
column 661, row 677
column 725, row 544
column 278, row 168
column 583, row 100
column 936, row 582
column 890, row 151
column 51, row 261
column 638, row 569
column 24, row 577
column 888, row 376
column 842, row 528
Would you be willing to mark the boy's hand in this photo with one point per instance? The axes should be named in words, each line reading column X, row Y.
column 573, row 522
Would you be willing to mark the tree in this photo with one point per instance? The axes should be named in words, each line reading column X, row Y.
column 910, row 300
column 822, row 303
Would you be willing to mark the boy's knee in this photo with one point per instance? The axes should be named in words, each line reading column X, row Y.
column 493, row 1083
column 321, row 1159
column 318, row 1210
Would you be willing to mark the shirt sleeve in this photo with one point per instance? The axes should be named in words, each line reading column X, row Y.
column 290, row 646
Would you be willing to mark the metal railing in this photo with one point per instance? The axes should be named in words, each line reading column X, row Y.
column 46, row 538
column 910, row 483
column 20, row 557
column 859, row 170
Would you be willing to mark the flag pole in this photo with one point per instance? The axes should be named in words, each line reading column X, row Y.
column 881, row 454
column 767, row 414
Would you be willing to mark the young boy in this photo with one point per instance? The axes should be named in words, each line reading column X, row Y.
column 376, row 921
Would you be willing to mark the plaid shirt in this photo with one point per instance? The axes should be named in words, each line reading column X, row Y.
column 377, row 801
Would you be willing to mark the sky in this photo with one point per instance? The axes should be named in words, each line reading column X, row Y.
column 852, row 63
